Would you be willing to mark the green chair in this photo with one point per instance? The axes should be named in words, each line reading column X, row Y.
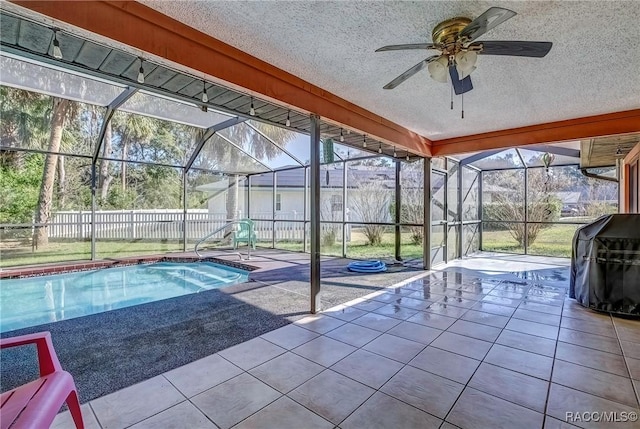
column 245, row 234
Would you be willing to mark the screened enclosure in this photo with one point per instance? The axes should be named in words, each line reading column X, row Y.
column 105, row 154
column 94, row 169
column 533, row 199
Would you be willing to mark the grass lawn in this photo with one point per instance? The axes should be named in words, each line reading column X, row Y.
column 553, row 241
column 358, row 248
column 62, row 251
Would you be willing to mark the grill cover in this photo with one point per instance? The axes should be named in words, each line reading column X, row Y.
column 605, row 264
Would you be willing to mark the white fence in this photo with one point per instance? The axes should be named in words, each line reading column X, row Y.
column 166, row 224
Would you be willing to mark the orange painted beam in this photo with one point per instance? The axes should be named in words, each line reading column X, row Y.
column 572, row 129
column 624, row 183
column 143, row 28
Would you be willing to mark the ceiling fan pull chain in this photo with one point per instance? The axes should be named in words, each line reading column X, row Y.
column 463, row 105
column 452, row 95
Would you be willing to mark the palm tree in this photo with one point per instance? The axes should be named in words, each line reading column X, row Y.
column 218, row 154
column 24, row 122
column 132, row 129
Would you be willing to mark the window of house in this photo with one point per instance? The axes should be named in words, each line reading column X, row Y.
column 278, row 202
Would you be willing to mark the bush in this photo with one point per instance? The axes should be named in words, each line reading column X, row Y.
column 508, row 211
column 329, row 236
column 410, row 213
column 374, row 234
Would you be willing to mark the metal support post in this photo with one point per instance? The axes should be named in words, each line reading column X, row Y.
column 248, row 196
column 460, row 243
column 480, row 215
column 304, row 209
column 526, row 211
column 274, row 190
column 94, row 184
column 426, row 203
column 184, row 209
column 344, row 209
column 445, row 197
column 398, row 202
column 315, row 213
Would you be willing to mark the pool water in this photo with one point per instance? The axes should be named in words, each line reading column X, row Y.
column 35, row 300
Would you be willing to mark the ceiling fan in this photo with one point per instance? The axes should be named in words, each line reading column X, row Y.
column 455, row 39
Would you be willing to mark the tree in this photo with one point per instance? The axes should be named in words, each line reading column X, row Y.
column 331, row 209
column 219, row 155
column 370, row 201
column 508, row 205
column 24, row 122
column 61, row 109
column 19, row 187
column 412, row 206
column 133, row 129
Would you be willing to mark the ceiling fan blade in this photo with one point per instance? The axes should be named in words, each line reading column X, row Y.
column 413, row 70
column 407, row 46
column 514, row 48
column 491, row 18
column 459, row 86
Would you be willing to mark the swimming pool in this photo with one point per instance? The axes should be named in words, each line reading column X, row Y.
column 35, row 300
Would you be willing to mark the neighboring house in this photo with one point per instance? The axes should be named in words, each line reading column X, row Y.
column 493, row 193
column 289, row 196
column 570, row 201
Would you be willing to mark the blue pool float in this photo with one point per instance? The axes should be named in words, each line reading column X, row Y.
column 367, row 267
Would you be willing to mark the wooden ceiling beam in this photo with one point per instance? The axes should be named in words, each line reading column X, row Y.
column 572, row 129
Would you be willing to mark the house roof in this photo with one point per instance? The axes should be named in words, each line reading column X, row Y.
column 329, row 178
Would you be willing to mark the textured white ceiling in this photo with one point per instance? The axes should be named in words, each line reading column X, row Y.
column 593, row 67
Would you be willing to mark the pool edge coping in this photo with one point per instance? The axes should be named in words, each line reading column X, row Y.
column 38, row 271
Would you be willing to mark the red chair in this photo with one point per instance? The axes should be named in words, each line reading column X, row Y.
column 35, row 404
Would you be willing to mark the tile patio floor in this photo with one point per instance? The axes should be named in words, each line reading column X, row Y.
column 464, row 348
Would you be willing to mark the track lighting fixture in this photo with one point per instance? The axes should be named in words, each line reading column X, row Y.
column 252, row 111
column 205, row 97
column 57, row 53
column 288, row 122
column 141, row 73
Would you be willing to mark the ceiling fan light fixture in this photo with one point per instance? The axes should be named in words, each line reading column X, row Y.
column 438, row 69
column 466, row 62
